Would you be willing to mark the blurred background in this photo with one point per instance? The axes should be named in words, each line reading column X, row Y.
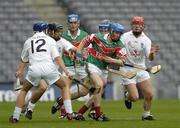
column 162, row 19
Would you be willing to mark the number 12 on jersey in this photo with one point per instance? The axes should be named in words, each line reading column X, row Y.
column 38, row 47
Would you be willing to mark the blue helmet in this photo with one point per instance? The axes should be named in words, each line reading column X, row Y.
column 40, row 26
column 43, row 26
column 104, row 25
column 116, row 27
column 36, row 27
column 73, row 18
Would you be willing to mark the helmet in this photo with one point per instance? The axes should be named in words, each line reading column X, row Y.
column 43, row 26
column 59, row 27
column 116, row 27
column 36, row 27
column 104, row 25
column 73, row 18
column 137, row 19
column 52, row 26
column 40, row 26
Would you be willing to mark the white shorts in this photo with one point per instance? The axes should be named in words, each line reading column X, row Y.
column 79, row 70
column 94, row 69
column 45, row 71
column 140, row 76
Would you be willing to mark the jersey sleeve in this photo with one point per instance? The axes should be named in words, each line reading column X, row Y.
column 121, row 52
column 67, row 45
column 147, row 47
column 24, row 53
column 54, row 50
column 89, row 39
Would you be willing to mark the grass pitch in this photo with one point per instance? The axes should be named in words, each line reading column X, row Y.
column 166, row 112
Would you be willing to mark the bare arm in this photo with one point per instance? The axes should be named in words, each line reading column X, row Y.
column 20, row 69
column 82, row 44
column 113, row 60
column 73, row 49
column 60, row 63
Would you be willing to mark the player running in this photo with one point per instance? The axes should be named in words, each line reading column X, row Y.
column 138, row 47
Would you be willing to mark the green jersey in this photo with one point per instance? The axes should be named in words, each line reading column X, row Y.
column 74, row 41
column 101, row 48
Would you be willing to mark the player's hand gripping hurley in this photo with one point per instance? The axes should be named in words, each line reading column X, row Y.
column 129, row 75
column 17, row 85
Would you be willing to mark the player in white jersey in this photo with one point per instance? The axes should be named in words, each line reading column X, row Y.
column 138, row 47
column 63, row 45
column 54, row 30
column 40, row 51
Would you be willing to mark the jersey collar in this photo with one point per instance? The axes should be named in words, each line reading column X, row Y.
column 78, row 34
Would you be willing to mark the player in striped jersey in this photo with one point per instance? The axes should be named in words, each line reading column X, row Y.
column 74, row 35
column 105, row 49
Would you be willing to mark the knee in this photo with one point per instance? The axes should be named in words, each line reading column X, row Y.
column 100, row 85
column 63, row 83
column 148, row 96
column 133, row 98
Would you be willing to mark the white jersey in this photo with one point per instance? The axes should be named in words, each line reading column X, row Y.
column 63, row 45
column 138, row 49
column 39, row 48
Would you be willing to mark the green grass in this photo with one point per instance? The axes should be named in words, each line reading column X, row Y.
column 166, row 112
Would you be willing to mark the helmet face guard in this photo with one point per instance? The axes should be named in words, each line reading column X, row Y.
column 118, row 28
column 73, row 22
column 104, row 26
column 116, row 31
column 137, row 24
column 73, row 18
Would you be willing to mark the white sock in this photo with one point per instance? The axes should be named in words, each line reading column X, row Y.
column 68, row 106
column 31, row 106
column 146, row 113
column 17, row 113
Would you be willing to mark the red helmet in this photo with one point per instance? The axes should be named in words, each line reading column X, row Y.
column 137, row 19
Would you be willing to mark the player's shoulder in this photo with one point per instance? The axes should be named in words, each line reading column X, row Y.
column 50, row 39
column 64, row 33
column 120, row 43
column 62, row 41
column 28, row 40
column 146, row 38
column 83, row 32
column 128, row 33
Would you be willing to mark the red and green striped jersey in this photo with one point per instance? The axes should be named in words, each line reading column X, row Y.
column 80, row 35
column 101, row 48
